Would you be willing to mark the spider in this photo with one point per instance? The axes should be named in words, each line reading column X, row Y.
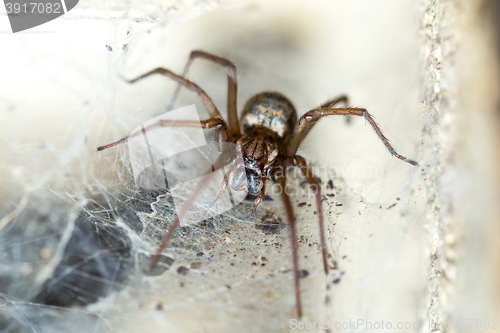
column 267, row 135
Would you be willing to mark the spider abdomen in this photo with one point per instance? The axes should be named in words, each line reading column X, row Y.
column 269, row 110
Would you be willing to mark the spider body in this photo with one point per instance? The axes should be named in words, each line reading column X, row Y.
column 268, row 140
column 272, row 111
column 268, row 120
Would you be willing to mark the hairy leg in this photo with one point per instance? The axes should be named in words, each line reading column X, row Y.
column 189, row 203
column 293, row 240
column 310, row 118
column 331, row 103
column 232, row 85
column 210, row 123
column 205, row 99
column 301, row 163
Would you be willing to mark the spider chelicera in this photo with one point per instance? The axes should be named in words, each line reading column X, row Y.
column 267, row 136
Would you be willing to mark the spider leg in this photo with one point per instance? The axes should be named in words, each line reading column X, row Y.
column 301, row 163
column 201, row 184
column 210, row 123
column 205, row 99
column 310, row 118
column 224, row 184
column 258, row 201
column 341, row 99
column 293, row 240
column 328, row 105
column 232, row 86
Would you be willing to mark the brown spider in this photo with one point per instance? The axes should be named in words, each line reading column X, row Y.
column 268, row 141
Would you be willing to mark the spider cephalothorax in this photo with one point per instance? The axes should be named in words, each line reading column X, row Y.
column 259, row 156
column 267, row 140
column 268, row 120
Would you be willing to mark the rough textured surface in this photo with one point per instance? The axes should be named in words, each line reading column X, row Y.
column 440, row 136
column 460, row 75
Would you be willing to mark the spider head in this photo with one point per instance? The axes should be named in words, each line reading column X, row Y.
column 258, row 155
